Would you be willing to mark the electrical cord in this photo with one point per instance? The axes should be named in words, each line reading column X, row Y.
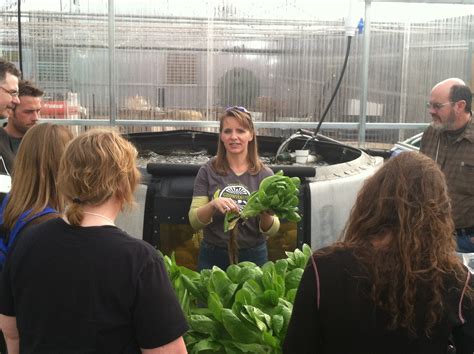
column 344, row 66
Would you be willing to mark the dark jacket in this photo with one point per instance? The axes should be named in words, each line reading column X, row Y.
column 6, row 152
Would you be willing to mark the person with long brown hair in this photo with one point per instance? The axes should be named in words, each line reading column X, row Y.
column 82, row 285
column 394, row 284
column 223, row 185
column 33, row 197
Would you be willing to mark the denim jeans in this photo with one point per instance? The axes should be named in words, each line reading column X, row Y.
column 465, row 245
column 210, row 255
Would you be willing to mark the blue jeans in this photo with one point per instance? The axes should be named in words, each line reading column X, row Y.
column 465, row 245
column 210, row 255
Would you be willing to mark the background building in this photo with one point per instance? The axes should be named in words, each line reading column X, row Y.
column 187, row 61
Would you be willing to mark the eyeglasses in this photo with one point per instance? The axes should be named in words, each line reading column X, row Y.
column 13, row 94
column 436, row 106
column 238, row 108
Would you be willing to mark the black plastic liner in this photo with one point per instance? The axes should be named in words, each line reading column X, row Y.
column 169, row 169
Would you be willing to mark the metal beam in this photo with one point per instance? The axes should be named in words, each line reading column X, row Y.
column 215, row 124
column 405, row 78
column 365, row 74
column 112, row 68
column 20, row 48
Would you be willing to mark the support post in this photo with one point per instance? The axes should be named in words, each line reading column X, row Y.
column 365, row 74
column 112, row 69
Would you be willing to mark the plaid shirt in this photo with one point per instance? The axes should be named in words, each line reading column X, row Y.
column 456, row 160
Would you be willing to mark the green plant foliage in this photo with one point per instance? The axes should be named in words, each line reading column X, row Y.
column 248, row 307
column 278, row 193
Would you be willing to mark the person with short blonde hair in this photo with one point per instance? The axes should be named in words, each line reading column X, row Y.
column 107, row 291
column 85, row 182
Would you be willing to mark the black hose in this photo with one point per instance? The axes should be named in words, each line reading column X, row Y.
column 344, row 66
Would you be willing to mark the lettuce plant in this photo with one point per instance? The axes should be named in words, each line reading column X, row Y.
column 277, row 193
column 245, row 309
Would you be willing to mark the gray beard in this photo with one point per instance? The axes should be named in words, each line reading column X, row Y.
column 439, row 127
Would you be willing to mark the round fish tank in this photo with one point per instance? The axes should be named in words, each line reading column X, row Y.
column 331, row 177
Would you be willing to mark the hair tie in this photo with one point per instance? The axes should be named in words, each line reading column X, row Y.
column 76, row 200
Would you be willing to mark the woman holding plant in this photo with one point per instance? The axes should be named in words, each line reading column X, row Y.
column 223, row 185
column 394, row 284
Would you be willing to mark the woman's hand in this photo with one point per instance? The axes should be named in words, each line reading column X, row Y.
column 224, row 205
column 266, row 219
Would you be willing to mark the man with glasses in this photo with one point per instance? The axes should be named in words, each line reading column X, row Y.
column 9, row 76
column 449, row 140
column 23, row 116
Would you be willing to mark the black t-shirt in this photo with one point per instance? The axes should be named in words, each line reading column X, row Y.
column 88, row 290
column 15, row 144
column 348, row 321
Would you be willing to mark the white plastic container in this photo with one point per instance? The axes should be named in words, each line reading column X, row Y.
column 301, row 156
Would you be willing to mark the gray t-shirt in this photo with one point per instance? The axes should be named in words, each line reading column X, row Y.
column 238, row 188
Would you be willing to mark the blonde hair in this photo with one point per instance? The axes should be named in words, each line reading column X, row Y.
column 96, row 166
column 220, row 164
column 35, row 172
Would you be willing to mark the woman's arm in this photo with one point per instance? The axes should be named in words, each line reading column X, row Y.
column 266, row 221
column 175, row 347
column 202, row 210
column 194, row 220
column 269, row 224
column 10, row 332
column 206, row 212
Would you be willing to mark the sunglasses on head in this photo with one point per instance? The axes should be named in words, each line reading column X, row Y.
column 238, row 108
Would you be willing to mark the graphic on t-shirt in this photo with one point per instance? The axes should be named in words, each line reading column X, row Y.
column 239, row 193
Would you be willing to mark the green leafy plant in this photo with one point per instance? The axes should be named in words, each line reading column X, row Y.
column 245, row 309
column 278, row 193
